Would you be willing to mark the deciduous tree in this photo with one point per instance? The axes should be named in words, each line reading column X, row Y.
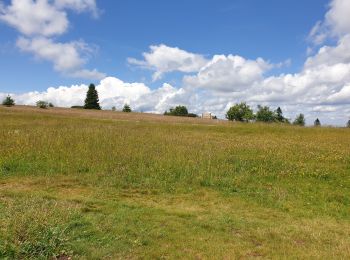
column 177, row 111
column 8, row 101
column 240, row 112
column 264, row 114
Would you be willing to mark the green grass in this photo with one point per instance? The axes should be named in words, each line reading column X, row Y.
column 103, row 186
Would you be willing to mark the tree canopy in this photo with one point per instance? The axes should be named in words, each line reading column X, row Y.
column 42, row 104
column 177, row 111
column 127, row 108
column 279, row 115
column 240, row 112
column 92, row 101
column 264, row 114
column 299, row 120
column 8, row 101
column 317, row 122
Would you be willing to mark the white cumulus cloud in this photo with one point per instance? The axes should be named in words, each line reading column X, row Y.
column 335, row 24
column 66, row 57
column 163, row 59
column 228, row 73
column 34, row 17
column 38, row 21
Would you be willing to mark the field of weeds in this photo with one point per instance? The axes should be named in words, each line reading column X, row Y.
column 109, row 185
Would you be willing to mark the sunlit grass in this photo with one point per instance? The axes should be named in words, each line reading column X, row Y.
column 108, row 185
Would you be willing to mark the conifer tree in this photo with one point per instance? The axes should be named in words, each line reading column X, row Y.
column 279, row 115
column 317, row 122
column 126, row 108
column 92, row 101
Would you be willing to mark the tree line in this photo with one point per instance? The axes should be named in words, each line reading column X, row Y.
column 240, row 112
column 244, row 113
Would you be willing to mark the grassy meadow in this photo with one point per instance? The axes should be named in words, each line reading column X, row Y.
column 110, row 185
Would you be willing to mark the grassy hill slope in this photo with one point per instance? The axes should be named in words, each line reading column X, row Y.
column 98, row 184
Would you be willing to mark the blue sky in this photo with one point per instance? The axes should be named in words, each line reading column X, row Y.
column 274, row 30
column 202, row 53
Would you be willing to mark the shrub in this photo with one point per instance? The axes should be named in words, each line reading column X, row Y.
column 51, row 105
column 240, row 112
column 42, row 104
column 77, row 107
column 348, row 124
column 114, row 108
column 8, row 101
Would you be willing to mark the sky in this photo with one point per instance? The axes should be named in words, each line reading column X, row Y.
column 156, row 54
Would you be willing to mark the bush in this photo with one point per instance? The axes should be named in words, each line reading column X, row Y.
column 51, row 105
column 42, row 104
column 8, row 101
column 240, row 112
column 77, row 107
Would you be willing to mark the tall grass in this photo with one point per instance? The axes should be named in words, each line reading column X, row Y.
column 99, row 185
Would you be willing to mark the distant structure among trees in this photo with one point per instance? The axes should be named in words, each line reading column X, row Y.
column 208, row 115
column 92, row 101
column 317, row 122
column 8, row 101
column 127, row 108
